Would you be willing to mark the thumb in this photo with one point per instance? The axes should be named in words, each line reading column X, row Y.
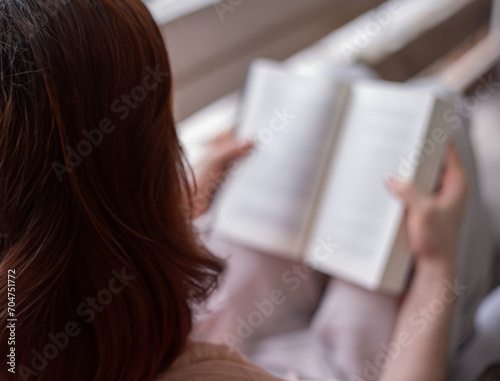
column 406, row 191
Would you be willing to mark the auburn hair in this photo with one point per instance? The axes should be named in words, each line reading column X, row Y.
column 97, row 261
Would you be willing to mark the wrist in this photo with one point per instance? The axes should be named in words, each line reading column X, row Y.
column 431, row 279
column 437, row 268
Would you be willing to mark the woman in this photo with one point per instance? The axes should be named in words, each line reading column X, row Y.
column 100, row 266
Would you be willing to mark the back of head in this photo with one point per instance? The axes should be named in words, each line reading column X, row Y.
column 106, row 268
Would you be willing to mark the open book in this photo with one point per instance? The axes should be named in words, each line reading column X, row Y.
column 315, row 189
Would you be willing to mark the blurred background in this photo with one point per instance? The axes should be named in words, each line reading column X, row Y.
column 454, row 42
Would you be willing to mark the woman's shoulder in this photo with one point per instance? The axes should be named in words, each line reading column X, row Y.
column 210, row 362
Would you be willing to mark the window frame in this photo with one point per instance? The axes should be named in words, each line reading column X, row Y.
column 165, row 11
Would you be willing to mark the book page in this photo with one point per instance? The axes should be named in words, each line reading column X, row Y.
column 269, row 197
column 358, row 219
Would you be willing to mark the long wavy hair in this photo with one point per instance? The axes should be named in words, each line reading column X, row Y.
column 97, row 263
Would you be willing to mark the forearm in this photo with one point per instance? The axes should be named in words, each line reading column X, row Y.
column 423, row 327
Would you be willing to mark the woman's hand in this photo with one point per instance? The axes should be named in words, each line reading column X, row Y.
column 433, row 225
column 434, row 221
column 222, row 151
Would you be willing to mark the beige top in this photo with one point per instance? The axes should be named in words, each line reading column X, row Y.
column 209, row 362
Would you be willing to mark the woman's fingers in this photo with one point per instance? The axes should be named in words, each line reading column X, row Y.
column 226, row 148
column 454, row 185
column 407, row 192
column 213, row 169
column 223, row 136
column 237, row 149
